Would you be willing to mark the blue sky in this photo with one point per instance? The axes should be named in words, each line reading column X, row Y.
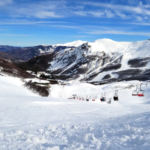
column 27, row 23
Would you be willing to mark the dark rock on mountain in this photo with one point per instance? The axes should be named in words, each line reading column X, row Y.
column 112, row 67
column 106, row 77
column 8, row 68
column 139, row 62
column 39, row 63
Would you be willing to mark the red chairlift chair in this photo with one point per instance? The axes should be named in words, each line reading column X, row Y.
column 93, row 99
column 83, row 98
column 141, row 92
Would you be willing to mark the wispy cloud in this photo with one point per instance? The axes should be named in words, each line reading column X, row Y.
column 134, row 9
column 118, row 32
column 63, row 9
column 66, row 26
column 137, row 12
column 99, row 13
column 5, row 2
column 45, row 9
column 46, row 14
column 141, row 23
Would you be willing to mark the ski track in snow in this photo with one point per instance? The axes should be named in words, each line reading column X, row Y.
column 30, row 122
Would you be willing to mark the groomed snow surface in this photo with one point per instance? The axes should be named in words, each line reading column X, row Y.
column 30, row 122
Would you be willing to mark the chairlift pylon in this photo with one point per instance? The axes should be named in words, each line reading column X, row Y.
column 147, row 83
column 135, row 92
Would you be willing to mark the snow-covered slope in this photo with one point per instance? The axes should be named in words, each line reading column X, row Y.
column 28, row 121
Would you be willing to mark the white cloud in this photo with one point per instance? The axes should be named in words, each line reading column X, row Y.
column 118, row 32
column 109, row 14
column 138, row 18
column 96, row 14
column 44, row 9
column 5, row 2
column 46, row 14
column 104, row 13
column 123, row 8
column 65, row 26
column 141, row 23
column 122, row 15
column 81, row 13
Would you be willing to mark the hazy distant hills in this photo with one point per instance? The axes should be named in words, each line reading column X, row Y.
column 6, row 56
column 4, row 48
column 26, row 53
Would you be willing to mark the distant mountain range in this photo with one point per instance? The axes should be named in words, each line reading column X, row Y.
column 101, row 61
column 4, row 48
column 26, row 53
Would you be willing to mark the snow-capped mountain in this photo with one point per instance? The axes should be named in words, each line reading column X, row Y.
column 103, row 60
column 74, row 43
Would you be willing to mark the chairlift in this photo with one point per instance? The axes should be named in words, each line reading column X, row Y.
column 93, row 99
column 141, row 92
column 103, row 98
column 77, row 97
column 83, row 98
column 116, row 96
column 87, row 99
column 74, row 96
column 135, row 92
